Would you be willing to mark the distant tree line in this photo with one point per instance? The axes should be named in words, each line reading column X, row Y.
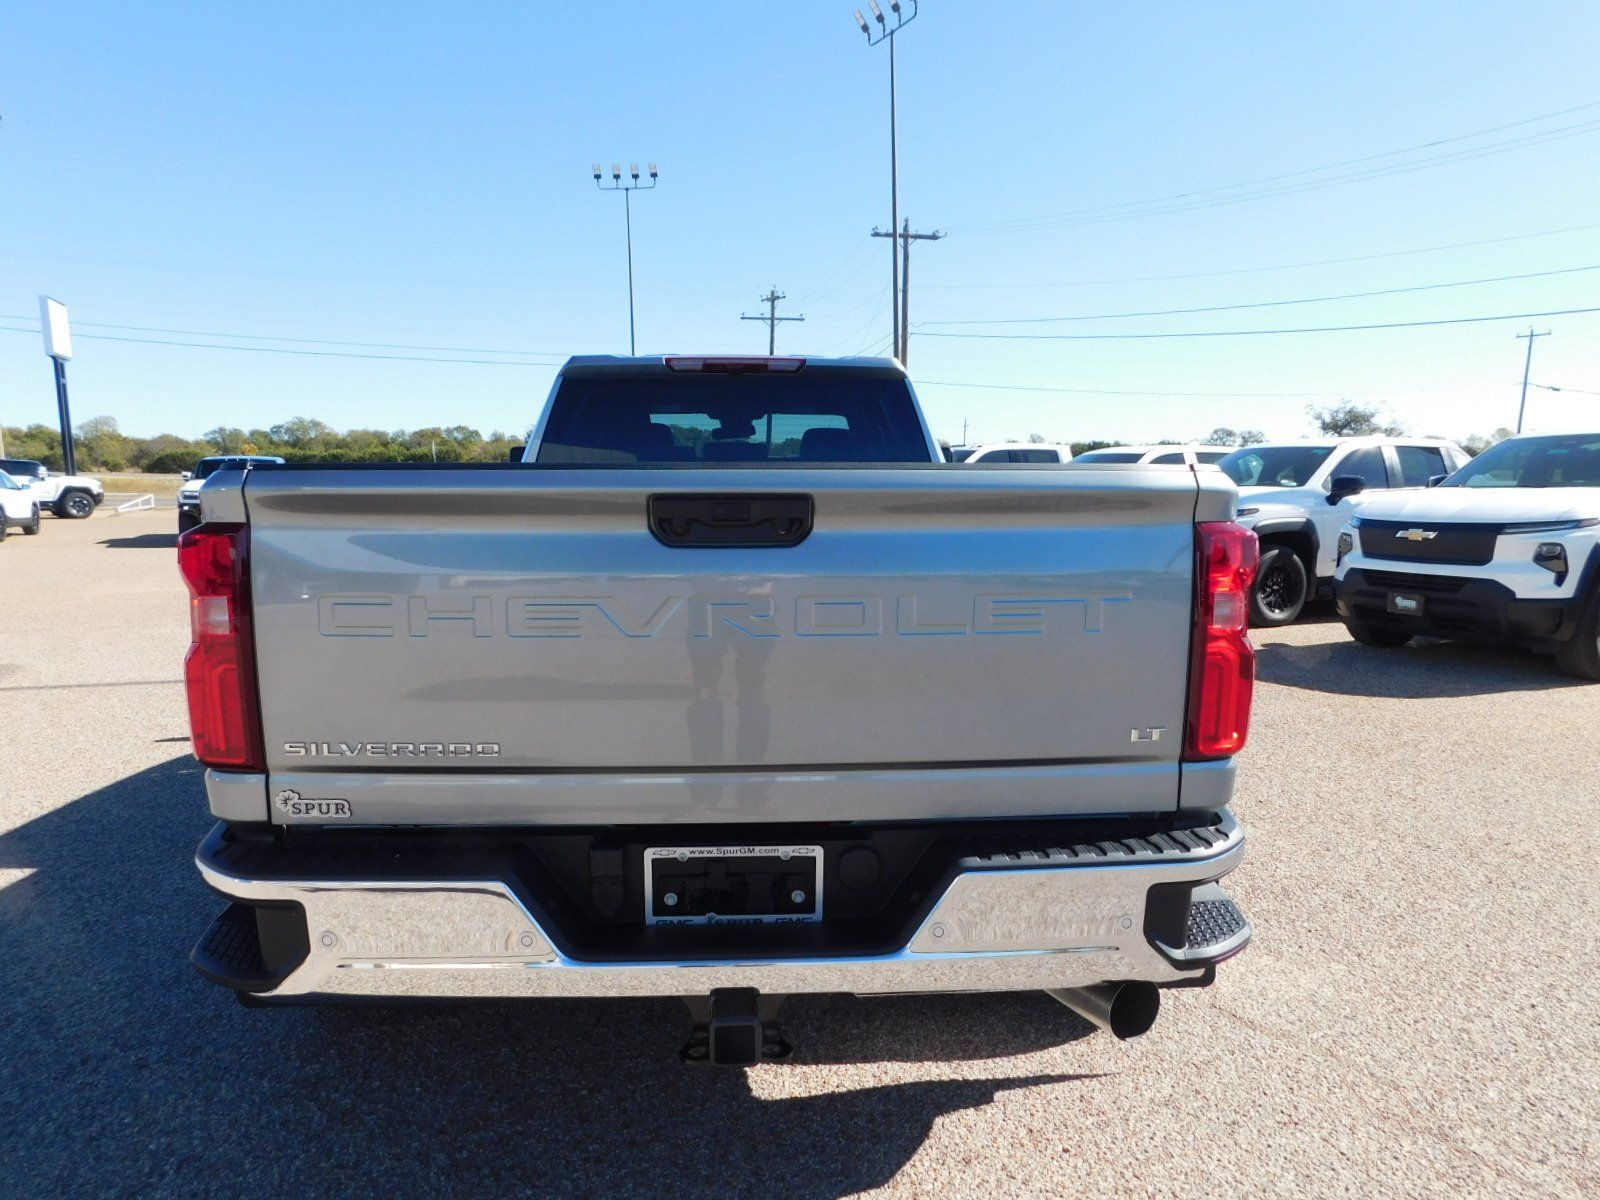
column 101, row 446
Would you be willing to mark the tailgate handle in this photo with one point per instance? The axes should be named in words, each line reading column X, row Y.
column 709, row 521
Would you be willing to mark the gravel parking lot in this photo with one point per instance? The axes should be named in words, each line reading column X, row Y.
column 1417, row 1016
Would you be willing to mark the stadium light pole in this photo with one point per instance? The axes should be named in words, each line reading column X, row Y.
column 627, row 190
column 885, row 33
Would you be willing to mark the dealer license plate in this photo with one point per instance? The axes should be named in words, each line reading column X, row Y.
column 1405, row 604
column 732, row 885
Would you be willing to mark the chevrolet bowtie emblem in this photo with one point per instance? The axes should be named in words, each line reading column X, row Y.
column 1417, row 535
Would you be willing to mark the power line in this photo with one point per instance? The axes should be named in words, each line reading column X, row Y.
column 816, row 293
column 1296, row 189
column 104, row 337
column 1348, row 162
column 1580, row 391
column 1319, row 262
column 862, row 332
column 1169, row 312
column 1209, row 197
column 1209, row 333
column 267, row 337
column 503, row 281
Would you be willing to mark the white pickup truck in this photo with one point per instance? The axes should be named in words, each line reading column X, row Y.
column 1298, row 495
column 726, row 690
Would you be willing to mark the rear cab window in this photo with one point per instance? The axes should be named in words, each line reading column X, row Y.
column 1109, row 456
column 1418, row 464
column 661, row 417
column 1366, row 464
column 1275, row 466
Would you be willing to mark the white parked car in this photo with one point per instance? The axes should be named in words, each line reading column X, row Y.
column 1016, row 452
column 1158, row 456
column 70, row 496
column 18, row 507
column 1298, row 495
column 1507, row 549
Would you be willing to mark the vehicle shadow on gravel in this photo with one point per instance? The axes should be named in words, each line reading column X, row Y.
column 143, row 541
column 1318, row 611
column 1423, row 670
column 126, row 1074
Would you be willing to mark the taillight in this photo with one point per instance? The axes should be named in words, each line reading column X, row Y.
column 224, row 714
column 1222, row 671
column 735, row 365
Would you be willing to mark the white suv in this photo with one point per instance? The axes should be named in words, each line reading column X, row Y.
column 70, row 496
column 1298, row 495
column 1156, row 456
column 1507, row 549
column 18, row 508
column 1013, row 452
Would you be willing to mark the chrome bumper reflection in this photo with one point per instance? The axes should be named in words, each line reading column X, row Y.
column 1033, row 927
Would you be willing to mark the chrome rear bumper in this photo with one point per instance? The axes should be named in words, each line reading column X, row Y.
column 1047, row 922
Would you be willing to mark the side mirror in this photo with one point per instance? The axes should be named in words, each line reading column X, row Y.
column 187, row 475
column 1436, row 480
column 1346, row 485
column 515, row 454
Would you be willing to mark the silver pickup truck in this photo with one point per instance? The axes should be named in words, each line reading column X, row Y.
column 727, row 689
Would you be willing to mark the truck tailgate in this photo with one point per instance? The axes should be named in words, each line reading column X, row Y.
column 514, row 645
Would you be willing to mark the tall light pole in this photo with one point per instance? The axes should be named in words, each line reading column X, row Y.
column 885, row 33
column 627, row 190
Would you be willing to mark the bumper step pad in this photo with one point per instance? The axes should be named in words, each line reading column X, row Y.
column 1212, row 922
column 230, row 951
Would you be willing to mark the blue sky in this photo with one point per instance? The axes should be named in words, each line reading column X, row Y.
column 406, row 181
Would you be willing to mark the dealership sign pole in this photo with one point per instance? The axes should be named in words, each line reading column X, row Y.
column 58, row 345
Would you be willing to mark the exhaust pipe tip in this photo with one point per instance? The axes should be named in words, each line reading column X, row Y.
column 1124, row 1010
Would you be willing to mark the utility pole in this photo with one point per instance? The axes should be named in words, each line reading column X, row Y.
column 885, row 33
column 772, row 318
column 1527, row 366
column 627, row 190
column 902, row 348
